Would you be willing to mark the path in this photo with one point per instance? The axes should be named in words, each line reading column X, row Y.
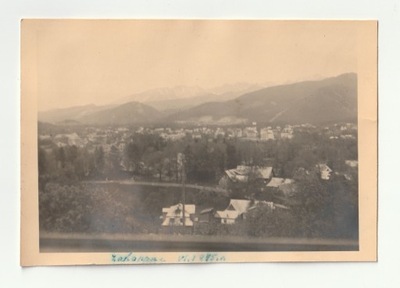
column 160, row 184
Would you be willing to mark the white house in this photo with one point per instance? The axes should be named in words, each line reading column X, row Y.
column 242, row 172
column 324, row 171
column 267, row 134
column 287, row 133
column 173, row 215
column 352, row 163
column 237, row 209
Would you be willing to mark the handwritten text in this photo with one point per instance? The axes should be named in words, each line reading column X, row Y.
column 204, row 257
column 132, row 258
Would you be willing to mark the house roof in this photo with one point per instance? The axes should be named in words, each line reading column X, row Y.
column 176, row 210
column 241, row 173
column 208, row 210
column 288, row 181
column 324, row 167
column 265, row 172
column 239, row 205
column 242, row 170
column 277, row 182
column 262, row 204
column 235, row 208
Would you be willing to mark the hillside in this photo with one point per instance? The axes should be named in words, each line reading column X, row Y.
column 331, row 99
column 164, row 94
column 128, row 113
column 183, row 97
column 69, row 114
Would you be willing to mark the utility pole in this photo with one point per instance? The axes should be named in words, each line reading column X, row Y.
column 183, row 189
column 181, row 161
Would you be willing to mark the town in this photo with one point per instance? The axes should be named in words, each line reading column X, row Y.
column 297, row 180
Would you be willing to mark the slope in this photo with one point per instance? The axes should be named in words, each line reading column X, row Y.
column 331, row 99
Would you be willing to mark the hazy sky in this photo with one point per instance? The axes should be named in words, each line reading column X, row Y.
column 81, row 62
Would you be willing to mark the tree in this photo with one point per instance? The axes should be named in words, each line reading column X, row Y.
column 314, row 207
column 155, row 160
column 60, row 156
column 345, row 203
column 99, row 160
column 232, row 157
column 42, row 161
column 264, row 220
column 113, row 162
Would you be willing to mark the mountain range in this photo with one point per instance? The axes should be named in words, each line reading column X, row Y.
column 330, row 99
column 182, row 97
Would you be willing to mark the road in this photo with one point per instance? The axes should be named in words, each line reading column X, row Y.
column 159, row 184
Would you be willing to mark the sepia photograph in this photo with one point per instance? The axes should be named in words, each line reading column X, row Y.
column 209, row 137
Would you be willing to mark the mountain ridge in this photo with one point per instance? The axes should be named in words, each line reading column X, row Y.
column 329, row 99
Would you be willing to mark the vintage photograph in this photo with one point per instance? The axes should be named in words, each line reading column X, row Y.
column 197, row 135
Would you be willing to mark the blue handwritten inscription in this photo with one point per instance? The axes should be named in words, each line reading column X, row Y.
column 203, row 258
column 131, row 258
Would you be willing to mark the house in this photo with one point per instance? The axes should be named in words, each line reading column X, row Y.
column 173, row 136
column 264, row 173
column 196, row 136
column 324, row 171
column 226, row 216
column 74, row 139
column 347, row 136
column 173, row 215
column 263, row 204
column 287, row 133
column 159, row 130
column 238, row 133
column 242, row 173
column 276, row 182
column 219, row 132
column 250, row 132
column 237, row 210
column 267, row 134
column 278, row 187
column 352, row 163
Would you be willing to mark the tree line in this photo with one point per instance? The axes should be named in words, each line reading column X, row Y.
column 149, row 155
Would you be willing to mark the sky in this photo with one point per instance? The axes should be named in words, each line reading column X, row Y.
column 81, row 62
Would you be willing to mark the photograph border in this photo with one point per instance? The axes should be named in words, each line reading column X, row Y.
column 368, row 165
